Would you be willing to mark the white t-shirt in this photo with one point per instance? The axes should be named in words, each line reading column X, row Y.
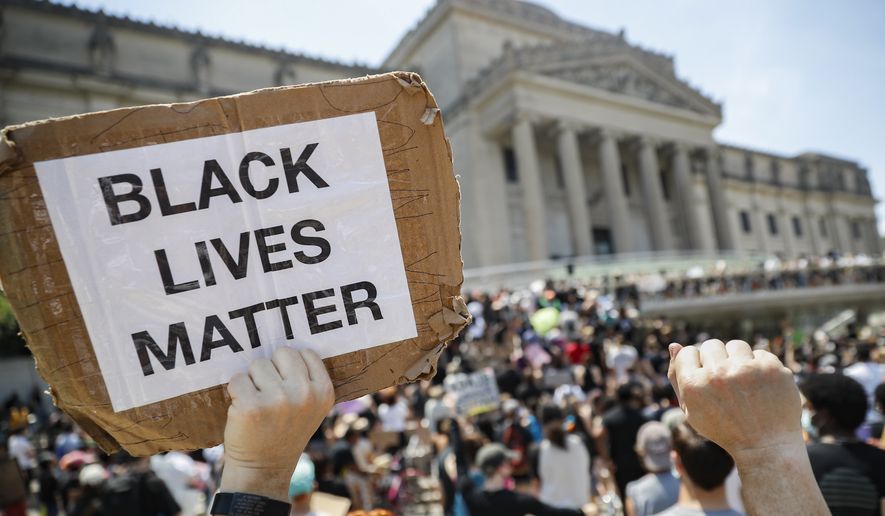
column 870, row 375
column 393, row 417
column 23, row 451
column 362, row 453
column 565, row 474
column 620, row 358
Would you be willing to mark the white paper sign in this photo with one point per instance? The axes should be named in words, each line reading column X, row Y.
column 190, row 259
column 473, row 393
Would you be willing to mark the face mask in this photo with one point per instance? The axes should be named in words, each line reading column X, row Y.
column 807, row 425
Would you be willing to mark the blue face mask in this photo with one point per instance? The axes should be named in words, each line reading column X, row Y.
column 807, row 425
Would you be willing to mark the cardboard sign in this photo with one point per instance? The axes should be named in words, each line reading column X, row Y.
column 473, row 393
column 150, row 253
column 217, row 250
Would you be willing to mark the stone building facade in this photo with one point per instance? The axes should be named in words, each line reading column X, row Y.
column 569, row 141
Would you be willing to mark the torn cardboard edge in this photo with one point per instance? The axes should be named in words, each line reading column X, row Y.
column 429, row 238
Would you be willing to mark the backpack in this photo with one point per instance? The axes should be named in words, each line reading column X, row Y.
column 123, row 494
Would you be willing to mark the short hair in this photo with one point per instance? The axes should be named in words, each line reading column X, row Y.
column 550, row 413
column 627, row 391
column 863, row 351
column 705, row 462
column 842, row 397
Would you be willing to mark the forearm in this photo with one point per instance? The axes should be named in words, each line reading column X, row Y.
column 779, row 480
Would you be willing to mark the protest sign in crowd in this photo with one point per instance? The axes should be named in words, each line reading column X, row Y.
column 555, row 400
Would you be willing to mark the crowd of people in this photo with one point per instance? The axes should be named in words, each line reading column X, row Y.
column 587, row 422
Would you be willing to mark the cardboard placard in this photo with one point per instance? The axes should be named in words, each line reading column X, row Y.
column 474, row 393
column 153, row 252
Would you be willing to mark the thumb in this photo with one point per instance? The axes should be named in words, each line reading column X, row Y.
column 674, row 350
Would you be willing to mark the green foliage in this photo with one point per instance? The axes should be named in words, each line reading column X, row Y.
column 11, row 342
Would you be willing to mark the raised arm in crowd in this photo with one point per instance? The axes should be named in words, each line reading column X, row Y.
column 745, row 401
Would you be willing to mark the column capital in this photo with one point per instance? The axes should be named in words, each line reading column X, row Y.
column 673, row 147
column 529, row 117
column 565, row 125
column 711, row 151
column 599, row 134
column 638, row 141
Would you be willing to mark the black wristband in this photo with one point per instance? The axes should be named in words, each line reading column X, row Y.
column 245, row 504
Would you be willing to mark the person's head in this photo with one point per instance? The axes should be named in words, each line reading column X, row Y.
column 835, row 404
column 702, row 462
column 863, row 351
column 552, row 420
column 351, row 435
column 653, row 445
column 631, row 394
column 494, row 461
column 301, row 485
column 442, row 432
column 663, row 395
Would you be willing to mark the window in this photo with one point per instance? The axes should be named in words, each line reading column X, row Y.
column 510, row 165
column 748, row 167
column 625, row 175
column 745, row 222
column 602, row 241
column 772, row 224
column 797, row 227
column 775, row 172
column 823, row 227
column 855, row 230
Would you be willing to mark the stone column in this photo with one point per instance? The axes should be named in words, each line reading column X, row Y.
column 761, row 221
column 532, row 188
column 613, row 186
column 787, row 224
column 576, row 192
column 875, row 241
column 652, row 193
column 719, row 202
column 691, row 211
column 812, row 224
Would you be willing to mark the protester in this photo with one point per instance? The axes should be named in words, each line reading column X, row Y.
column 494, row 460
column 301, row 487
column 878, row 429
column 410, row 469
column 703, row 467
column 850, row 473
column 620, row 428
column 868, row 374
column 21, row 449
column 773, row 464
column 659, row 488
column 49, row 487
column 563, row 463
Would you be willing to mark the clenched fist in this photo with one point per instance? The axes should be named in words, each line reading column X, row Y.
column 274, row 410
column 739, row 398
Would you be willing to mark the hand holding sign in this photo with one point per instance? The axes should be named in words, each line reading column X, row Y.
column 153, row 252
column 274, row 411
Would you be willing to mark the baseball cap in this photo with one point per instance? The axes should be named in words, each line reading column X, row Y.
column 491, row 456
column 654, row 442
column 302, row 478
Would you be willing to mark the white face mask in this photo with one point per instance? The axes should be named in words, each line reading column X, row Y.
column 807, row 425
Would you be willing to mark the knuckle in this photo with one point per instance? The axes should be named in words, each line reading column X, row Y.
column 712, row 343
column 258, row 364
column 283, row 353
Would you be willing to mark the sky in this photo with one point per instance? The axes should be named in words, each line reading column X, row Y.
column 792, row 75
